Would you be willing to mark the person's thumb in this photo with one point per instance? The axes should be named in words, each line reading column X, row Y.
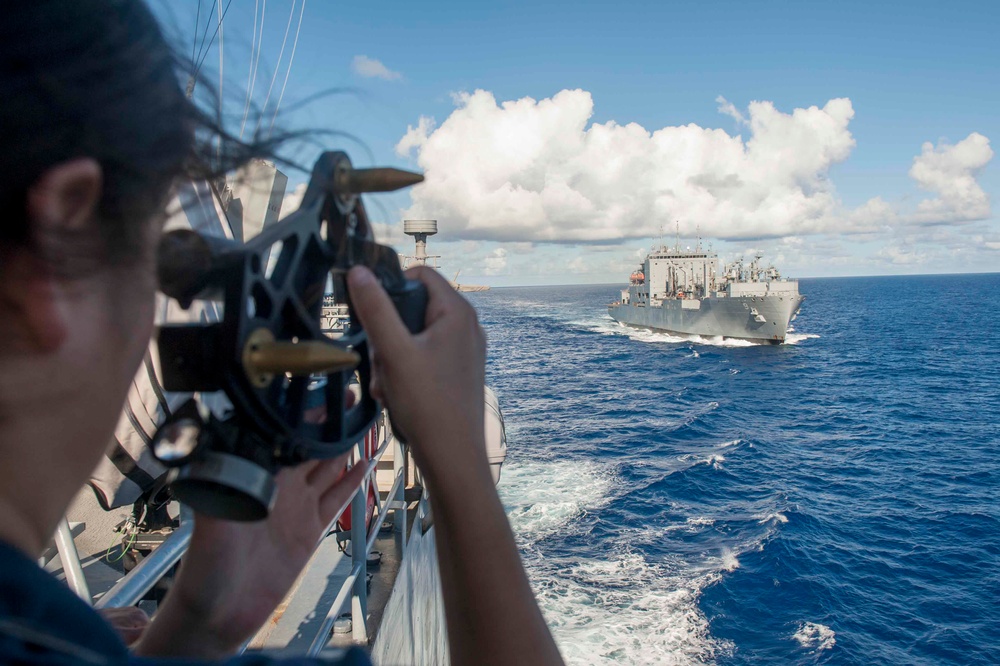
column 386, row 331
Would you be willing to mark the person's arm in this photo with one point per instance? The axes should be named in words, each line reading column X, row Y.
column 432, row 384
column 235, row 574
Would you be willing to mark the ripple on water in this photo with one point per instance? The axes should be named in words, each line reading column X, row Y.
column 853, row 519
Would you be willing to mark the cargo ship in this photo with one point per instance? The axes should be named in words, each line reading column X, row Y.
column 682, row 291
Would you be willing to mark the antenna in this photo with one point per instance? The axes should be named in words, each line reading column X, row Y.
column 420, row 230
column 677, row 240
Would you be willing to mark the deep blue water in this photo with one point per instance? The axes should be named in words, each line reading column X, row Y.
column 834, row 500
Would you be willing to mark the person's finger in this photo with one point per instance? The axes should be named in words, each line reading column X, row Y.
column 328, row 471
column 376, row 310
column 297, row 474
column 340, row 492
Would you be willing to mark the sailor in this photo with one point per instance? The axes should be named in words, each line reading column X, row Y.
column 95, row 128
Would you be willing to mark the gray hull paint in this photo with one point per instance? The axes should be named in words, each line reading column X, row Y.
column 726, row 317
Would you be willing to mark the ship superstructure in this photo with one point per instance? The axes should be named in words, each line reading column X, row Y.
column 682, row 291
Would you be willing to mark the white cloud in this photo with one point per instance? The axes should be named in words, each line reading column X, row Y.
column 950, row 172
column 579, row 265
column 495, row 262
column 901, row 254
column 370, row 68
column 726, row 107
column 534, row 170
column 539, row 171
column 415, row 136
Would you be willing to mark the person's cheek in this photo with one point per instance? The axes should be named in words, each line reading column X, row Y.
column 134, row 309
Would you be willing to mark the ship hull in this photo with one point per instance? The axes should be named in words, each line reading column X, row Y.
column 728, row 317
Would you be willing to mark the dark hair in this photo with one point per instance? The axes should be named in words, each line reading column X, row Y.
column 96, row 78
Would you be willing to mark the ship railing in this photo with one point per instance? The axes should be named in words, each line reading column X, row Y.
column 131, row 588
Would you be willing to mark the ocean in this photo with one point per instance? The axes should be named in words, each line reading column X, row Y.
column 832, row 500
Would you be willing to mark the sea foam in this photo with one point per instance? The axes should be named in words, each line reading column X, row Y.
column 797, row 338
column 608, row 326
column 618, row 607
column 542, row 497
column 623, row 609
column 815, row 636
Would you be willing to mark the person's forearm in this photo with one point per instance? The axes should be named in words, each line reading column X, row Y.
column 491, row 612
column 175, row 632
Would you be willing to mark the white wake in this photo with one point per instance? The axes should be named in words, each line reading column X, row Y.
column 616, row 607
column 608, row 326
column 815, row 636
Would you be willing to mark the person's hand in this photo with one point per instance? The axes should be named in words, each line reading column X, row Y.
column 129, row 622
column 235, row 574
column 432, row 382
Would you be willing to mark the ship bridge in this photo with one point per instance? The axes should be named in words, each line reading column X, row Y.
column 675, row 273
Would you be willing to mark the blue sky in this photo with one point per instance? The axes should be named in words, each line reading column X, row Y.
column 913, row 73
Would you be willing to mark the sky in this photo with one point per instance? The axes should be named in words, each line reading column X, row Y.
column 561, row 140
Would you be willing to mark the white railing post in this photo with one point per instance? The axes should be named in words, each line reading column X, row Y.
column 359, row 556
column 399, row 465
column 70, row 558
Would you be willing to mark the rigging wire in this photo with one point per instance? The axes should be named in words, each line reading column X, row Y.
column 212, row 41
column 253, row 68
column 291, row 58
column 197, row 22
column 253, row 47
column 204, row 34
column 277, row 66
column 218, row 108
column 196, row 47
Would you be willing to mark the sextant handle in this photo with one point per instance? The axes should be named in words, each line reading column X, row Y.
column 410, row 300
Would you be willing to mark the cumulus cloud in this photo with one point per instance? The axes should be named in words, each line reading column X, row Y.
column 950, row 172
column 537, row 171
column 415, row 137
column 540, row 171
column 496, row 261
column 370, row 68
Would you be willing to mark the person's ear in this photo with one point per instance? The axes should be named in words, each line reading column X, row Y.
column 63, row 199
